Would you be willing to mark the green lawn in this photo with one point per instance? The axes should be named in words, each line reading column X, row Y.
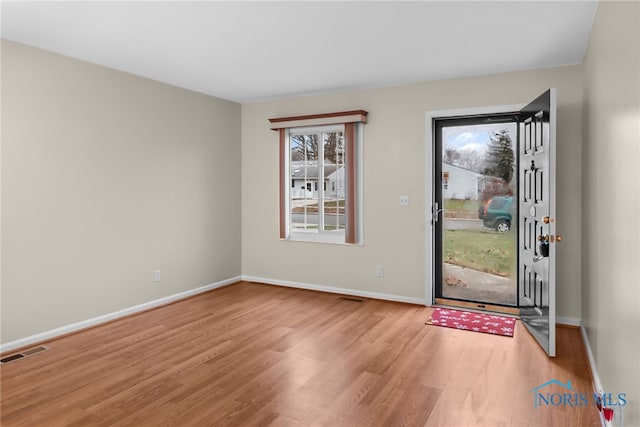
column 458, row 208
column 462, row 205
column 486, row 251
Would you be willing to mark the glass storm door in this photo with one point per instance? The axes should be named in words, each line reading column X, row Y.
column 537, row 205
column 477, row 228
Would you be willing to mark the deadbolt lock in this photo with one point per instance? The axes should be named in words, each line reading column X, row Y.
column 550, row 239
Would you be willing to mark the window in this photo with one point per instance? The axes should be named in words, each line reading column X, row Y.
column 320, row 156
column 317, row 155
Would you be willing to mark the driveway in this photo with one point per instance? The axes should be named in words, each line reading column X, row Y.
column 463, row 224
column 466, row 283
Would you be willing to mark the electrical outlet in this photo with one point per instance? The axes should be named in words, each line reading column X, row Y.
column 156, row 276
column 379, row 271
column 405, row 200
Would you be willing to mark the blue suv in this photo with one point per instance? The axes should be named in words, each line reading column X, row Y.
column 497, row 213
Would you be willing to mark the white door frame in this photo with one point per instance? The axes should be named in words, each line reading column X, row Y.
column 428, row 149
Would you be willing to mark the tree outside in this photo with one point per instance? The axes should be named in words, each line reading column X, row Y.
column 309, row 145
column 500, row 158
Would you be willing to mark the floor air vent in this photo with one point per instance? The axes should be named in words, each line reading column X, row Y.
column 354, row 299
column 23, row 354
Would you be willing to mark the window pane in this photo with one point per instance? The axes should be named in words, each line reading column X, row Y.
column 334, row 176
column 333, row 161
column 303, row 198
column 479, row 233
column 333, row 147
column 297, row 147
column 334, row 218
column 304, row 214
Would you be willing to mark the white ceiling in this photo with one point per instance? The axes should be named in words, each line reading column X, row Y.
column 250, row 51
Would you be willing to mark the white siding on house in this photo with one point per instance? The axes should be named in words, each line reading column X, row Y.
column 308, row 187
column 336, row 187
column 461, row 183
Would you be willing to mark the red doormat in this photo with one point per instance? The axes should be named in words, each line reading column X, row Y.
column 471, row 321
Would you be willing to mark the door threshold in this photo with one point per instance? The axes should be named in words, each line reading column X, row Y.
column 513, row 311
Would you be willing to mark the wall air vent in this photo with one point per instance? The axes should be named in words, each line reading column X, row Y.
column 353, row 299
column 23, row 354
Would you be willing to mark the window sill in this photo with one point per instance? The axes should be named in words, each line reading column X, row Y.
column 326, row 237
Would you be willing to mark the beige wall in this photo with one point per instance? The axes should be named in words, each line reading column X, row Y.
column 394, row 153
column 611, row 200
column 107, row 177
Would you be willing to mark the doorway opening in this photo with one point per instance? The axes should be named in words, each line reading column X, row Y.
column 534, row 232
column 476, row 193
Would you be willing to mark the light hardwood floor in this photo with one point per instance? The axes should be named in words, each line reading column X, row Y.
column 251, row 354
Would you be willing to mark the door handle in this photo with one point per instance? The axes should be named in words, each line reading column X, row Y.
column 538, row 258
column 435, row 212
column 550, row 239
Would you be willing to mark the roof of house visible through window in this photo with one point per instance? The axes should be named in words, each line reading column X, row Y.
column 311, row 170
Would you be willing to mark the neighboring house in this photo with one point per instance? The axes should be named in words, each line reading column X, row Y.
column 307, row 186
column 461, row 183
column 336, row 186
column 465, row 184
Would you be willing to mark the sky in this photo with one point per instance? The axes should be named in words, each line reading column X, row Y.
column 474, row 137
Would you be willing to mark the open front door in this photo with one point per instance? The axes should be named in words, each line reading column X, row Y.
column 537, row 206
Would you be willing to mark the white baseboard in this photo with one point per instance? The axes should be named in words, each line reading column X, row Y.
column 343, row 291
column 84, row 324
column 594, row 372
column 571, row 321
